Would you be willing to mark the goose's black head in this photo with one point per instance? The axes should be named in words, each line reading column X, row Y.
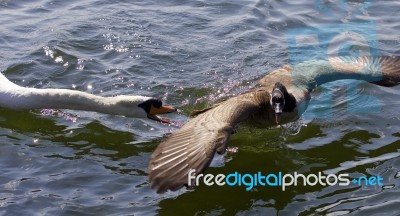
column 155, row 106
column 281, row 101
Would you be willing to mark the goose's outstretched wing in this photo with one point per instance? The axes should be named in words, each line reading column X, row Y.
column 384, row 71
column 388, row 68
column 193, row 146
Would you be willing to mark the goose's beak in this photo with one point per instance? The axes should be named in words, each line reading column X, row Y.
column 278, row 109
column 277, row 118
column 161, row 110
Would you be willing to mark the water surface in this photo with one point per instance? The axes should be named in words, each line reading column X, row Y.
column 190, row 54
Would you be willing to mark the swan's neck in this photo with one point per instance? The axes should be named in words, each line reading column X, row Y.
column 63, row 99
column 31, row 98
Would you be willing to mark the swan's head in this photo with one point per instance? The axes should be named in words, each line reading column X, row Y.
column 139, row 107
column 278, row 100
column 153, row 107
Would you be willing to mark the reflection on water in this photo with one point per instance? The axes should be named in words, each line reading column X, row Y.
column 191, row 54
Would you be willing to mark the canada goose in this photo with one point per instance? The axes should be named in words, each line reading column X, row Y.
column 281, row 96
column 21, row 98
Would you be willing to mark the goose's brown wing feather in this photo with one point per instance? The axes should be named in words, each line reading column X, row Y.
column 384, row 71
column 193, row 146
column 389, row 67
column 282, row 75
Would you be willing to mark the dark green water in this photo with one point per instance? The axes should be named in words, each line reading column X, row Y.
column 189, row 53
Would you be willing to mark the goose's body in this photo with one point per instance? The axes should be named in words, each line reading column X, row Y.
column 21, row 98
column 193, row 146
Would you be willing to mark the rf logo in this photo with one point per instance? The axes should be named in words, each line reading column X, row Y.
column 343, row 37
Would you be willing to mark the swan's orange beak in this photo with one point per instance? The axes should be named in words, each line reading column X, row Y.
column 162, row 110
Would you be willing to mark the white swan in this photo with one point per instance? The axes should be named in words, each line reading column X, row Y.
column 16, row 97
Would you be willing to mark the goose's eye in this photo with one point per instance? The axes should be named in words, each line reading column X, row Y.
column 277, row 99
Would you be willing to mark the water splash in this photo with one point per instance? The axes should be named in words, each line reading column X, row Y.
column 231, row 88
column 48, row 52
column 291, row 129
column 59, row 113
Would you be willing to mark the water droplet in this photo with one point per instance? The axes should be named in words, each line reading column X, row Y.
column 388, row 186
column 59, row 59
column 80, row 67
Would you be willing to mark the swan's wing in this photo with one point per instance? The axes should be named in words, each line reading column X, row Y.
column 193, row 146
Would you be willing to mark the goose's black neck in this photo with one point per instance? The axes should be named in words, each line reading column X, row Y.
column 290, row 103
